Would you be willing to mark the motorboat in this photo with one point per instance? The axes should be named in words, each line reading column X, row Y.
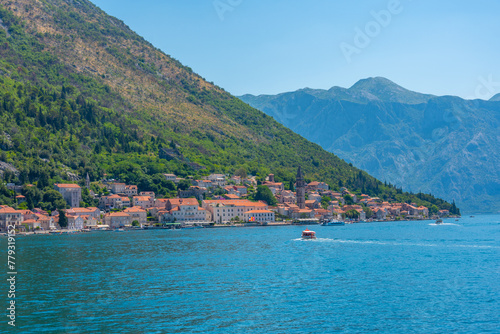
column 308, row 234
column 439, row 221
column 333, row 222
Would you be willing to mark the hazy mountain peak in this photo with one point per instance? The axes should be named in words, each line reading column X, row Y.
column 382, row 89
column 374, row 82
column 496, row 97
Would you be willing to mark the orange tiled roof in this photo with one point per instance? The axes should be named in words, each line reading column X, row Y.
column 142, row 198
column 117, row 214
column 183, row 201
column 9, row 210
column 134, row 209
column 259, row 211
column 236, row 202
column 67, row 185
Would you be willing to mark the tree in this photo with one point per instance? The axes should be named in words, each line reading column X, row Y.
column 241, row 172
column 264, row 194
column 135, row 223
column 43, row 180
column 54, row 200
column 325, row 200
column 348, row 200
column 184, row 184
column 63, row 220
column 368, row 211
column 87, row 199
column 33, row 196
column 353, row 214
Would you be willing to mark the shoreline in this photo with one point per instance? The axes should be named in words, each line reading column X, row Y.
column 279, row 223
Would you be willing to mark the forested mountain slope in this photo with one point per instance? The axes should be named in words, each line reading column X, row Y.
column 82, row 93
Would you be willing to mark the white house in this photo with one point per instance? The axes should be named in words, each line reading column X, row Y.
column 224, row 211
column 260, row 216
column 75, row 223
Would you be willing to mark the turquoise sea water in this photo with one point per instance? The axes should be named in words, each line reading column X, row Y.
column 401, row 277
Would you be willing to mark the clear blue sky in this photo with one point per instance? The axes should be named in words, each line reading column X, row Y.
column 268, row 47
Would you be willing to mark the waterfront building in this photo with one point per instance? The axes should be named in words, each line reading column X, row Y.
column 90, row 211
column 259, row 216
column 10, row 216
column 137, row 213
column 224, row 211
column 117, row 219
column 75, row 223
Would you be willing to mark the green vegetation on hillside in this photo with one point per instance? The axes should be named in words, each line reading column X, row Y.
column 58, row 121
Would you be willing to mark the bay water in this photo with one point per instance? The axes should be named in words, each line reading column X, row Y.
column 385, row 277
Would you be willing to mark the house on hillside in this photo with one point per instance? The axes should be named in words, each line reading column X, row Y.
column 145, row 202
column 170, row 177
column 193, row 191
column 72, row 193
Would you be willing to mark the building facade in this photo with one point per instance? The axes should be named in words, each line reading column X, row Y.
column 72, row 193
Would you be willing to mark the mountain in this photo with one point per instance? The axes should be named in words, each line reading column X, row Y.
column 82, row 93
column 495, row 98
column 444, row 145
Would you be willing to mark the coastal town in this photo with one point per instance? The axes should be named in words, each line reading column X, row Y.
column 217, row 200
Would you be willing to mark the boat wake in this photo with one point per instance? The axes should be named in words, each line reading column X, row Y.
column 445, row 224
column 389, row 243
column 314, row 240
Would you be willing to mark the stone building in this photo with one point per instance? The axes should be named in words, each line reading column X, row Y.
column 72, row 193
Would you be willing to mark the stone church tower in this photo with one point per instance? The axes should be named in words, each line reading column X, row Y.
column 300, row 188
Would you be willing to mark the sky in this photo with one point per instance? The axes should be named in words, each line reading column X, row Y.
column 269, row 47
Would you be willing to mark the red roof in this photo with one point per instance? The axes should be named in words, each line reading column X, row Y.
column 183, row 201
column 142, row 198
column 134, row 209
column 118, row 214
column 236, row 202
column 67, row 185
column 9, row 210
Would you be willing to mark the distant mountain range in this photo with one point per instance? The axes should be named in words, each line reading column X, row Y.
column 496, row 97
column 440, row 144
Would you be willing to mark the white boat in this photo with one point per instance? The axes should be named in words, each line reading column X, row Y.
column 439, row 221
column 307, row 234
column 333, row 222
column 119, row 230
